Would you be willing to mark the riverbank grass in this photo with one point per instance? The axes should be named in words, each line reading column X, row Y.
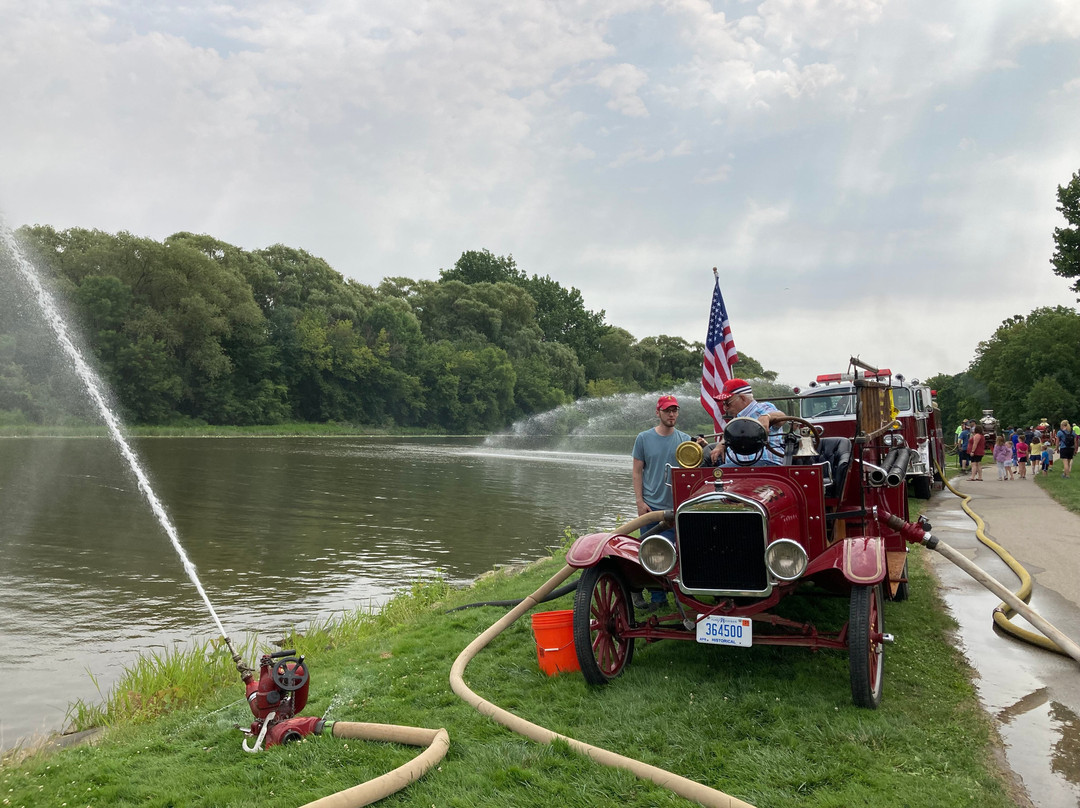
column 772, row 726
column 1066, row 492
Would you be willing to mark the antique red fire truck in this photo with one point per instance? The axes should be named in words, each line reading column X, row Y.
column 831, row 516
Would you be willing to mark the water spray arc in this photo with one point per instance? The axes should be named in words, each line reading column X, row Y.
column 280, row 690
column 95, row 389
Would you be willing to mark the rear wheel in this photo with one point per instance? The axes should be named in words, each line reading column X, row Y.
column 601, row 613
column 866, row 648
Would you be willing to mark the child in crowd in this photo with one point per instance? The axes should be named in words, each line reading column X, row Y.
column 1035, row 447
column 1022, row 449
column 1002, row 457
column 1047, row 458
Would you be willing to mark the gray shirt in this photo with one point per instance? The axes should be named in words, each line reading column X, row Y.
column 657, row 452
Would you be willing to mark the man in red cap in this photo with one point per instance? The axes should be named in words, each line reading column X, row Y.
column 654, row 453
column 654, row 456
column 737, row 399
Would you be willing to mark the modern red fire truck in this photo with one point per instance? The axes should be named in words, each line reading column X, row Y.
column 830, row 401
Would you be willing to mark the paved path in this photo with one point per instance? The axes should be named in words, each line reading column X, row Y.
column 1034, row 695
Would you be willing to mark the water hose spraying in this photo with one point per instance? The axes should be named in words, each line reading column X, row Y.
column 1004, row 611
column 682, row 786
column 280, row 690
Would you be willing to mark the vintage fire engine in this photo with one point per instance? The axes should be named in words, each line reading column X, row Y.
column 830, row 402
column 832, row 516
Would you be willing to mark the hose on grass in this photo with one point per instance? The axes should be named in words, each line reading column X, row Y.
column 682, row 786
column 436, row 741
column 1017, row 603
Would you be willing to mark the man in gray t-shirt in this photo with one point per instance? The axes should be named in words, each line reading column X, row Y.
column 654, row 452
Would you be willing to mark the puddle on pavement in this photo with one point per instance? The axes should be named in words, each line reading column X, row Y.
column 1019, row 686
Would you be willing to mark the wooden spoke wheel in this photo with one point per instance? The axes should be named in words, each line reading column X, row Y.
column 602, row 611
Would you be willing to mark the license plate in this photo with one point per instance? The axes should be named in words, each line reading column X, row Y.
column 716, row 629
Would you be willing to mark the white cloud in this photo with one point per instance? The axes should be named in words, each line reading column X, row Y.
column 624, row 81
column 826, row 149
column 709, row 176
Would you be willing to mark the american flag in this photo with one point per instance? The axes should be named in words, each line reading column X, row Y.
column 720, row 355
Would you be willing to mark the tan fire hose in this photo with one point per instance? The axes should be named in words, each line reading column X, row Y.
column 682, row 786
column 1013, row 602
column 437, row 742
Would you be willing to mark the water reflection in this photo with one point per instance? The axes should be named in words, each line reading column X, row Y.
column 1066, row 754
column 281, row 531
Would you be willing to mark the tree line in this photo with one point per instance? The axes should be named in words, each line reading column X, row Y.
column 194, row 330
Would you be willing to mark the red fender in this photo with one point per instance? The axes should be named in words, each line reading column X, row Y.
column 588, row 550
column 861, row 560
column 864, row 560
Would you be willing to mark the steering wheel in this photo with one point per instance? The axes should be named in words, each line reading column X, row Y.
column 814, row 430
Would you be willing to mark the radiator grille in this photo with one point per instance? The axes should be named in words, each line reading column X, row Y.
column 722, row 551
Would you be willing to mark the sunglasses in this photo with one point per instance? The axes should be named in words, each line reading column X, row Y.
column 670, row 409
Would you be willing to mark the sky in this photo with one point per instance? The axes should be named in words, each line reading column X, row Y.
column 872, row 178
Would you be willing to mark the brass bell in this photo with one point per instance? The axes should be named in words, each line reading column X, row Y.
column 689, row 454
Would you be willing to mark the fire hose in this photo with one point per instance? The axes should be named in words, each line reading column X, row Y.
column 437, row 742
column 682, row 786
column 1012, row 602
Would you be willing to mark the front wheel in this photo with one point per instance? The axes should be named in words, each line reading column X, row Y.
column 866, row 648
column 601, row 613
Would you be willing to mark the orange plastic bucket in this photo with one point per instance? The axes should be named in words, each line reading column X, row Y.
column 554, row 634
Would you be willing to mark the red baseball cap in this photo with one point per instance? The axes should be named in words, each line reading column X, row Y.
column 734, row 387
column 667, row 401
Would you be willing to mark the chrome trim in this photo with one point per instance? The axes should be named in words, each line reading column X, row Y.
column 719, row 502
column 674, row 554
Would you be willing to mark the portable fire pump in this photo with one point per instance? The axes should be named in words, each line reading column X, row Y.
column 275, row 697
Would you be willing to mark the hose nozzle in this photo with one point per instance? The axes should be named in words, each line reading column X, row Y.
column 914, row 533
column 243, row 669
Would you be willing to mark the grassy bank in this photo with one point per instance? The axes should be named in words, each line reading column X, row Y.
column 772, row 726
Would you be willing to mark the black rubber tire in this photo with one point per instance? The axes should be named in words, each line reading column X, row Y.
column 921, row 486
column 866, row 655
column 602, row 609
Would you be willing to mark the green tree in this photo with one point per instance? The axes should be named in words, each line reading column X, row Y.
column 1022, row 353
column 466, row 389
column 560, row 313
column 1066, row 259
column 481, row 266
column 1049, row 399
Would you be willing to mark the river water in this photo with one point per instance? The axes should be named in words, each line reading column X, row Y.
column 282, row 531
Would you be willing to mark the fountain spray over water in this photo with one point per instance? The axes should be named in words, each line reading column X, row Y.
column 94, row 388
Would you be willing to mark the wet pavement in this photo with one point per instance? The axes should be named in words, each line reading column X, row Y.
column 1033, row 694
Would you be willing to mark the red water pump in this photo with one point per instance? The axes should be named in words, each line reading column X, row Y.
column 280, row 692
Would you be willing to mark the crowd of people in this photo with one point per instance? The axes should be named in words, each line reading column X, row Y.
column 1016, row 449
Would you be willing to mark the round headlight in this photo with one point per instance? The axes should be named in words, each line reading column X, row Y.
column 786, row 559
column 887, row 440
column 657, row 555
